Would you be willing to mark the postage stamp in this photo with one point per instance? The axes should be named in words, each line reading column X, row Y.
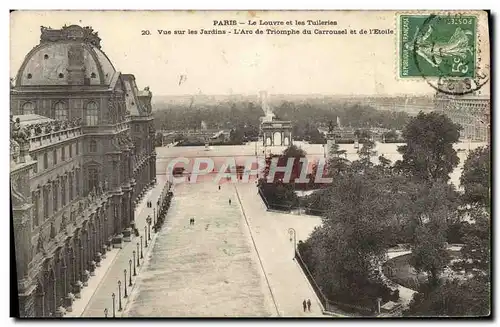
column 437, row 46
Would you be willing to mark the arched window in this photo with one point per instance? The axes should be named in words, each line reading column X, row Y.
column 93, row 146
column 61, row 112
column 92, row 114
column 28, row 108
column 93, row 175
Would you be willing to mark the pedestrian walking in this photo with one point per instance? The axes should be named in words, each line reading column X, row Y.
column 219, row 187
column 229, row 201
column 304, row 305
column 309, row 305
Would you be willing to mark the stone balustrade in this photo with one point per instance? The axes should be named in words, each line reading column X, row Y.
column 44, row 139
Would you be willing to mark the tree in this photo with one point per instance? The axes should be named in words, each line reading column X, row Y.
column 179, row 138
column 454, row 298
column 430, row 210
column 475, row 177
column 365, row 153
column 158, row 139
column 347, row 249
column 429, row 252
column 476, row 252
column 428, row 154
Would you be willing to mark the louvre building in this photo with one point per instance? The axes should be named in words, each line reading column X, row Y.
column 81, row 155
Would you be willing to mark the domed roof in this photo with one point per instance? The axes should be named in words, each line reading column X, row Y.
column 61, row 52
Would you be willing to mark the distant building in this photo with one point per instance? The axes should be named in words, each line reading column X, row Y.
column 469, row 111
column 82, row 153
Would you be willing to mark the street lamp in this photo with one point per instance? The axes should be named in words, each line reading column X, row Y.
column 134, row 263
column 130, row 272
column 154, row 216
column 148, row 220
column 119, row 295
column 138, row 264
column 293, row 237
column 145, row 241
column 145, row 238
column 125, row 283
column 113, row 296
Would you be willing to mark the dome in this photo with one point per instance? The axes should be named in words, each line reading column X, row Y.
column 70, row 56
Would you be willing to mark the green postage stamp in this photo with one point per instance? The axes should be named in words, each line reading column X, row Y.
column 437, row 46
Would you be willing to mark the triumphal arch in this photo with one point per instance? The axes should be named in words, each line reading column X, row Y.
column 276, row 132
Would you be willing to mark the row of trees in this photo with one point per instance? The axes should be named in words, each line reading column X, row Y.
column 224, row 115
column 370, row 208
column 244, row 117
column 354, row 115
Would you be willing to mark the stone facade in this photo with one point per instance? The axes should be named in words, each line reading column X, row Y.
column 471, row 111
column 82, row 151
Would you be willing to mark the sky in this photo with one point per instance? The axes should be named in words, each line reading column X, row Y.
column 236, row 64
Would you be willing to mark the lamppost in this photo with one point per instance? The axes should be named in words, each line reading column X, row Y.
column 113, row 296
column 134, row 263
column 146, row 241
column 106, row 313
column 125, row 283
column 293, row 234
column 138, row 264
column 145, row 237
column 119, row 295
column 154, row 216
column 130, row 272
column 148, row 220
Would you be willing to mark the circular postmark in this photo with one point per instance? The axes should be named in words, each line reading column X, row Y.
column 444, row 52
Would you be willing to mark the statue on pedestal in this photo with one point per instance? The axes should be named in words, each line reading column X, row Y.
column 40, row 245
column 64, row 223
column 72, row 213
column 19, row 133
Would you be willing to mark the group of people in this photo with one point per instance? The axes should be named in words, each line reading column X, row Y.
column 306, row 305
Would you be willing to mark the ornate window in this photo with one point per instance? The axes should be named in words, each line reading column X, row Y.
column 63, row 153
column 92, row 114
column 46, row 202
column 63, row 192
column 28, row 108
column 45, row 161
column 93, row 178
column 61, row 112
column 93, row 146
column 70, row 185
column 36, row 207
column 77, row 181
column 55, row 191
column 54, row 157
column 77, row 150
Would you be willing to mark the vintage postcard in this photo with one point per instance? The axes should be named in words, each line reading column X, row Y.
column 307, row 164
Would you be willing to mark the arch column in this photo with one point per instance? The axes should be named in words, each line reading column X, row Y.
column 50, row 301
column 71, row 269
column 39, row 301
